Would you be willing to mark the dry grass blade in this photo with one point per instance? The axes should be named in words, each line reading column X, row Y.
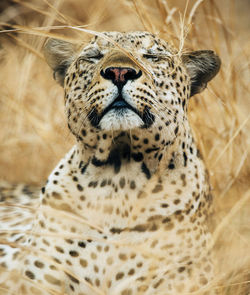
column 57, row 12
column 41, row 31
column 27, row 46
column 226, row 220
column 144, row 17
column 72, row 216
column 237, row 172
column 101, row 35
column 44, row 12
column 232, row 139
column 193, row 10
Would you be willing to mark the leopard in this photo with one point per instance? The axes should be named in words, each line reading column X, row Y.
column 127, row 210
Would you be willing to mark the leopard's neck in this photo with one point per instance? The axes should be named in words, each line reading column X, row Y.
column 152, row 151
column 117, row 172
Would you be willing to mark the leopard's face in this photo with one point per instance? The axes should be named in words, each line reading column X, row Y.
column 132, row 82
column 107, row 89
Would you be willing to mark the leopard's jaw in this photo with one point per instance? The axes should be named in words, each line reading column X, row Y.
column 121, row 119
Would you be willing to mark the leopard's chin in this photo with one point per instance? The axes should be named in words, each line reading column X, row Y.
column 120, row 119
column 120, row 115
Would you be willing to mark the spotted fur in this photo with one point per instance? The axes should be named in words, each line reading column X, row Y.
column 125, row 212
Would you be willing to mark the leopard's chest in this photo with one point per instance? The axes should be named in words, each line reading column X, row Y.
column 109, row 228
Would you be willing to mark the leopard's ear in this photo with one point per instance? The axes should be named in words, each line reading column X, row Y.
column 59, row 55
column 201, row 66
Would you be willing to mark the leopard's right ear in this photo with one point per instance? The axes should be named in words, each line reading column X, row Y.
column 59, row 55
column 202, row 66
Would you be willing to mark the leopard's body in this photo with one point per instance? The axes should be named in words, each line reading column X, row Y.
column 125, row 212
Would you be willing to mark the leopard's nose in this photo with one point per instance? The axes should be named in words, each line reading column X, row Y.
column 119, row 75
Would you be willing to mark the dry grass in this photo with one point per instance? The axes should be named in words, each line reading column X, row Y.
column 34, row 135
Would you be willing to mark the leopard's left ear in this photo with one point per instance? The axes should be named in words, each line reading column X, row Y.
column 59, row 55
column 201, row 66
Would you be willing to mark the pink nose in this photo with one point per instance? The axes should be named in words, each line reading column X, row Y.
column 120, row 75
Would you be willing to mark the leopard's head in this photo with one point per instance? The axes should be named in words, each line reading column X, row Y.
column 132, row 82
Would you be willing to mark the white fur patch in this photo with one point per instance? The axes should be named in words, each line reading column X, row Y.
column 120, row 119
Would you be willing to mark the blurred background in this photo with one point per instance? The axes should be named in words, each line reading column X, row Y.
column 34, row 134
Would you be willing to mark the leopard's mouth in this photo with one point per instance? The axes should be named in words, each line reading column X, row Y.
column 119, row 105
column 120, row 108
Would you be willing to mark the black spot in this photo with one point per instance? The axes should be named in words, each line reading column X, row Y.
column 93, row 184
column 185, row 158
column 177, row 212
column 176, row 130
column 84, row 168
column 171, row 166
column 145, row 170
column 116, row 230
column 140, row 228
column 81, row 244
column 122, row 182
column 138, row 157
column 114, row 159
column 79, row 187
column 30, row 274
column 181, row 269
column 166, row 220
column 157, row 136
column 132, row 184
column 160, row 157
column 94, row 118
column 104, row 182
column 83, row 132
column 69, row 241
column 148, row 118
column 73, row 253
column 43, row 190
column 151, row 150
column 98, row 163
column 183, row 103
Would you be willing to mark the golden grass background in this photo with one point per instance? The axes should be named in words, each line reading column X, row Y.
column 34, row 134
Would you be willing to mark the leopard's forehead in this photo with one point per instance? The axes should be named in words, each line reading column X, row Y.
column 130, row 40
